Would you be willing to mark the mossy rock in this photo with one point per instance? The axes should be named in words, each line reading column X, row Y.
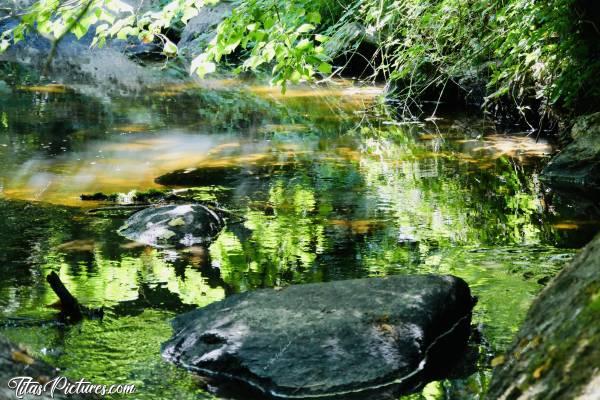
column 578, row 164
column 556, row 354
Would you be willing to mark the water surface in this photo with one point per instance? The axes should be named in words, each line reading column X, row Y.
column 349, row 193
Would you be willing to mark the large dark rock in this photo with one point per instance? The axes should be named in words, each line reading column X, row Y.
column 173, row 226
column 342, row 338
column 578, row 164
column 556, row 354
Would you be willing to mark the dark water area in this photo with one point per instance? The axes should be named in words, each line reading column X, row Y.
column 329, row 187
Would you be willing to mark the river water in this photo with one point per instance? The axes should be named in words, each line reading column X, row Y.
column 330, row 187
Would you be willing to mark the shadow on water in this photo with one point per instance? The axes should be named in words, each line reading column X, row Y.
column 329, row 186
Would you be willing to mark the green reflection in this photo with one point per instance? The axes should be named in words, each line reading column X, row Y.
column 354, row 195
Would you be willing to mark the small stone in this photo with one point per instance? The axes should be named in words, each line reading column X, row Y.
column 21, row 357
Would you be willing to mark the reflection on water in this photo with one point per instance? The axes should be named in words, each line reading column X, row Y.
column 329, row 187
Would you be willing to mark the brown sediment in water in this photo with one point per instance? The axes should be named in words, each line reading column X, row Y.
column 132, row 128
column 358, row 226
column 498, row 145
column 50, row 88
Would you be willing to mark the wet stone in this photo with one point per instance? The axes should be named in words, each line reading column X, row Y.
column 16, row 362
column 556, row 352
column 173, row 226
column 578, row 164
column 345, row 338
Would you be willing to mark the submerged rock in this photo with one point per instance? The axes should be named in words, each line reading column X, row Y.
column 578, row 164
column 328, row 339
column 15, row 362
column 223, row 176
column 556, row 354
column 173, row 226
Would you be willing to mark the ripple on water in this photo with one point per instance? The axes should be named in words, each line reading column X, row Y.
column 353, row 196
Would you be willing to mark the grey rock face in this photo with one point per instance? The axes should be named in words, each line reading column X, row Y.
column 578, row 164
column 173, row 226
column 202, row 28
column 344, row 338
column 556, row 354
column 94, row 71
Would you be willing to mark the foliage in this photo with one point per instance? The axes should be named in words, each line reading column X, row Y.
column 110, row 18
column 529, row 58
column 271, row 32
column 284, row 36
column 519, row 53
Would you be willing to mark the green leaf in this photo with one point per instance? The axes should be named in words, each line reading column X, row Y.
column 89, row 20
column 101, row 28
column 325, row 68
column 106, row 16
column 79, row 31
column 170, row 49
column 314, row 17
column 304, row 28
column 252, row 62
column 303, row 44
column 4, row 45
column 201, row 66
column 269, row 51
column 188, row 14
column 268, row 23
column 295, row 77
column 123, row 33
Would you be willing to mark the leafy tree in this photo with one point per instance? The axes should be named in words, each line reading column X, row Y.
column 278, row 33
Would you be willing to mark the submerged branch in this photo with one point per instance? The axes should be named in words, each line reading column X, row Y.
column 71, row 309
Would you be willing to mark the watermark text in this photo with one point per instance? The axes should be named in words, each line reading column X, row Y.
column 26, row 385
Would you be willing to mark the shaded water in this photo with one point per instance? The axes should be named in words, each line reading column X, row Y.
column 349, row 193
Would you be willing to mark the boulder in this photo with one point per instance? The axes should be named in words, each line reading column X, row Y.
column 578, row 164
column 173, row 226
column 92, row 70
column 201, row 29
column 345, row 338
column 556, row 354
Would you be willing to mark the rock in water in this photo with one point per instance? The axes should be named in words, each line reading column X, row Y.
column 173, row 226
column 328, row 339
column 15, row 362
column 556, row 354
column 578, row 164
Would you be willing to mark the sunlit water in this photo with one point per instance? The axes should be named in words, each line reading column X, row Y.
column 351, row 193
